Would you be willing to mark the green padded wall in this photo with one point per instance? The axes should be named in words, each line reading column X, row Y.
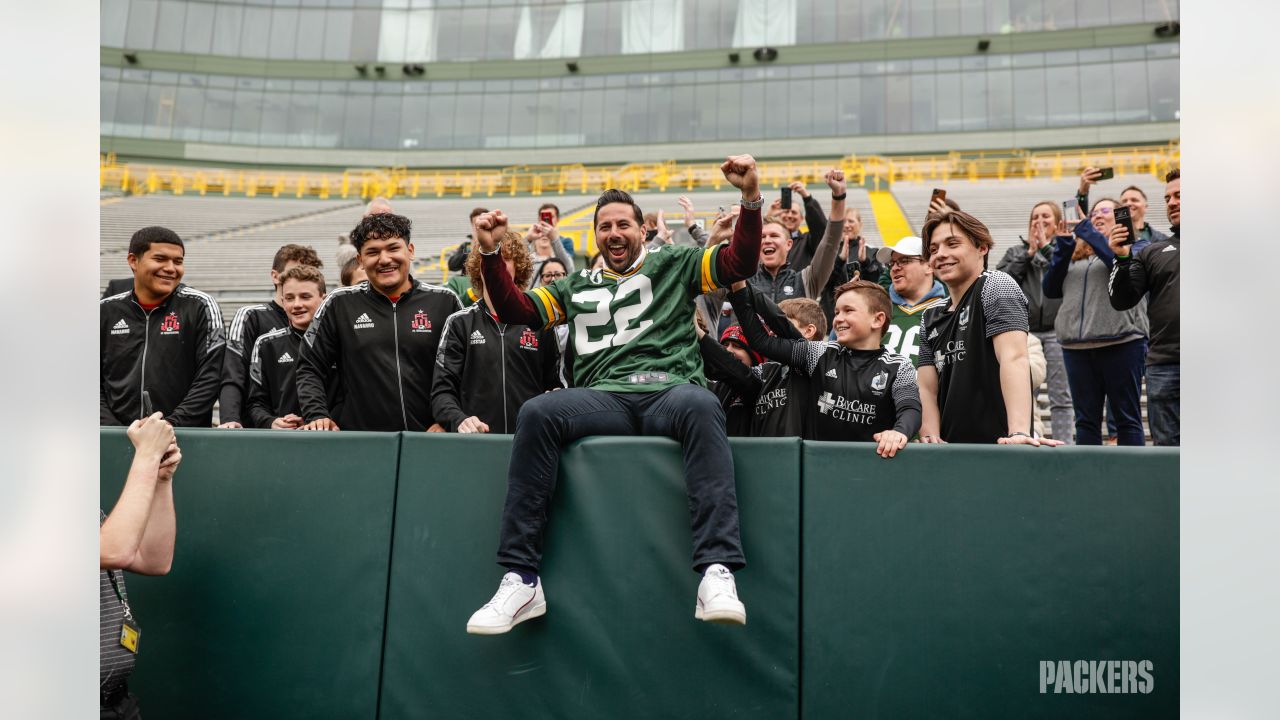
column 276, row 601
column 936, row 582
column 619, row 639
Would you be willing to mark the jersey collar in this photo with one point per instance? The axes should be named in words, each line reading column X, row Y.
column 635, row 266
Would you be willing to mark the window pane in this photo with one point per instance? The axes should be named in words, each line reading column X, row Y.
column 107, row 106
column 825, row 109
column 799, row 108
column 950, row 94
column 255, row 32
column 873, row 105
column 999, row 100
column 1162, row 80
column 310, row 42
column 284, row 30
column 897, row 104
column 1028, row 98
column 413, row 122
column 247, row 122
column 923, row 112
column 115, row 20
column 301, row 126
column 169, row 25
column 363, row 35
column 850, row 118
column 467, row 121
column 385, row 124
column 973, row 90
column 219, row 107
column 569, row 125
column 197, row 29
column 329, row 121
column 1062, row 85
column 130, row 104
column 1130, row 91
column 142, row 25
column 188, row 113
column 357, row 122
column 1097, row 95
column 499, row 120
column 922, row 18
column 337, row 35
column 226, row 30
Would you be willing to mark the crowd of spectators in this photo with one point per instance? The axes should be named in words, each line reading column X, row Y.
column 1077, row 305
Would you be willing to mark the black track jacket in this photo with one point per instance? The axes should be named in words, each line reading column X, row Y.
column 250, row 323
column 385, row 353
column 488, row 369
column 173, row 351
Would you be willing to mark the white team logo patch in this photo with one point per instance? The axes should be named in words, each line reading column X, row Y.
column 964, row 316
column 477, row 338
column 120, row 328
column 363, row 322
column 788, row 289
column 285, row 358
column 881, row 380
column 831, row 373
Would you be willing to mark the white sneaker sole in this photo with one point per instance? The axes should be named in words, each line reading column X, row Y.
column 536, row 611
column 724, row 616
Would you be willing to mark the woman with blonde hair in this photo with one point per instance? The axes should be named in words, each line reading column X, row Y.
column 1026, row 263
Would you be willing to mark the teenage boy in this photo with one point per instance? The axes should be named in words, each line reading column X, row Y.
column 636, row 371
column 161, row 337
column 382, row 335
column 273, row 392
column 486, row 368
column 912, row 290
column 858, row 391
column 250, row 323
column 975, row 379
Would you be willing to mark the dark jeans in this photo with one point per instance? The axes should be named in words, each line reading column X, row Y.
column 688, row 413
column 1112, row 376
column 1164, row 396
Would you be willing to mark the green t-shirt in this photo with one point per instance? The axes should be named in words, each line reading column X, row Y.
column 461, row 286
column 633, row 332
column 903, row 337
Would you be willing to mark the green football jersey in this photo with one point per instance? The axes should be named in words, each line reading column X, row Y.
column 461, row 286
column 903, row 337
column 633, row 332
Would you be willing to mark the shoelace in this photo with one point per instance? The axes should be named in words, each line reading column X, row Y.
column 722, row 583
column 505, row 589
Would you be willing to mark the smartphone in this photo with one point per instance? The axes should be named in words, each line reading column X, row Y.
column 938, row 194
column 786, row 198
column 547, row 216
column 1106, row 173
column 146, row 405
column 1121, row 214
column 1071, row 211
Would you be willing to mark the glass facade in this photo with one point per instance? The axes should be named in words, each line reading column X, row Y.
column 454, row 30
column 1132, row 84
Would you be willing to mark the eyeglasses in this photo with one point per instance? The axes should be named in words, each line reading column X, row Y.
column 551, row 276
column 1100, row 211
column 903, row 261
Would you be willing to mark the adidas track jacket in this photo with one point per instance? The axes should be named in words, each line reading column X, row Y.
column 385, row 355
column 273, row 389
column 174, row 351
column 488, row 369
column 250, row 323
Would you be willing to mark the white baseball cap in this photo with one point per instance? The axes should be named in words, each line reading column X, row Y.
column 909, row 245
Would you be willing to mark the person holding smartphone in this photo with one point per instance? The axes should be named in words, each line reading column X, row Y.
column 1026, row 263
column 1104, row 350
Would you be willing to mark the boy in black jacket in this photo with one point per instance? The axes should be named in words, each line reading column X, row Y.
column 858, row 390
column 487, row 369
column 273, row 392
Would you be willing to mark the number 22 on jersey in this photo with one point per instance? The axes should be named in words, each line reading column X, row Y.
column 613, row 306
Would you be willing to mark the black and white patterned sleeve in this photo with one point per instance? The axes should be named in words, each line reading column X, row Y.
column 906, row 397
column 1003, row 304
column 805, row 354
column 926, row 347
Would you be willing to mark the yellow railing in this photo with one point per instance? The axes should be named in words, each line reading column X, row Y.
column 872, row 172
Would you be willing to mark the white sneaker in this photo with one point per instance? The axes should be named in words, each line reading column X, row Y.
column 514, row 603
column 718, row 598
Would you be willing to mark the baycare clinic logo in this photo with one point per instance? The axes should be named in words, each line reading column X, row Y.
column 529, row 339
column 170, row 324
column 421, row 323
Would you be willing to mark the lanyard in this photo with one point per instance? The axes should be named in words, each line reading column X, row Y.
column 128, row 614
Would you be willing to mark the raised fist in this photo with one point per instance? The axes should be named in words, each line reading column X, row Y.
column 490, row 228
column 740, row 171
column 835, row 181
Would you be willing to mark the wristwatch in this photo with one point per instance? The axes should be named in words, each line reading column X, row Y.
column 753, row 204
